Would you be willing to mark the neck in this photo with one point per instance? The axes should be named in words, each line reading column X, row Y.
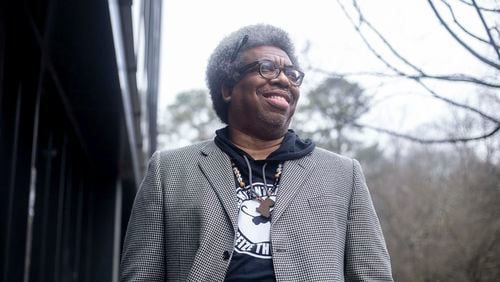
column 257, row 148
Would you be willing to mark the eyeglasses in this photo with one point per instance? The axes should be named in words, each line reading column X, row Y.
column 271, row 70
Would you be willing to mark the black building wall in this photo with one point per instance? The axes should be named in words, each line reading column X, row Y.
column 66, row 169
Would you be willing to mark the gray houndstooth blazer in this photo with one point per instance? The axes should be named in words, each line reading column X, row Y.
column 184, row 220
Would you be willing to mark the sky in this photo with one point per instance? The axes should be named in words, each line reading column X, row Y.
column 191, row 30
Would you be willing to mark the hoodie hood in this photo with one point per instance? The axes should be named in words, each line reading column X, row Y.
column 291, row 148
column 254, row 171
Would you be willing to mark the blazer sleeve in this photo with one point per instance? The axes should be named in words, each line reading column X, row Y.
column 143, row 257
column 366, row 256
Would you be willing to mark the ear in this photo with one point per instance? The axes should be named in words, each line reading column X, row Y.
column 226, row 93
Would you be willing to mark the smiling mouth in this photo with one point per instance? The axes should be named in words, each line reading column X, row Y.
column 280, row 100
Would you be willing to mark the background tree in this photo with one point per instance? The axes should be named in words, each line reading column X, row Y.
column 190, row 118
column 329, row 112
column 439, row 212
column 481, row 43
column 438, row 205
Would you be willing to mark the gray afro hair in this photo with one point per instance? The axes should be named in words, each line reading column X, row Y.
column 226, row 59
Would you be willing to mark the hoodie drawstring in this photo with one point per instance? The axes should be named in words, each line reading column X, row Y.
column 264, row 177
column 249, row 174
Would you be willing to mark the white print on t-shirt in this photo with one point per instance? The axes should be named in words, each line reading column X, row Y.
column 254, row 231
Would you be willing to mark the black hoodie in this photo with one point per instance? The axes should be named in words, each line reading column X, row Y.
column 291, row 148
column 249, row 262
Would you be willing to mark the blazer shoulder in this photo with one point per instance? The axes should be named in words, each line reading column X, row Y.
column 325, row 156
column 186, row 152
column 179, row 159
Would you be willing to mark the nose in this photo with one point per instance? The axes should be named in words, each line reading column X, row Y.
column 281, row 80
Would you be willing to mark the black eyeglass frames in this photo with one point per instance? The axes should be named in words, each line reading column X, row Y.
column 271, row 70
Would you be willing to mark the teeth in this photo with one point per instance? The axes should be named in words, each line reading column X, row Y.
column 277, row 98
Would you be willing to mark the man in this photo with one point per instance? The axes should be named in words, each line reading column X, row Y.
column 258, row 203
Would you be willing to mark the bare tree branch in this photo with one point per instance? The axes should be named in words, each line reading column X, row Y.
column 492, row 41
column 449, row 77
column 460, row 41
column 456, row 104
column 429, row 141
column 495, row 28
column 384, row 40
column 464, row 29
column 481, row 8
column 401, row 73
column 459, row 78
column 421, row 73
column 367, row 43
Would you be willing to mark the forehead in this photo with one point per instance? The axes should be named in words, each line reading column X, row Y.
column 266, row 52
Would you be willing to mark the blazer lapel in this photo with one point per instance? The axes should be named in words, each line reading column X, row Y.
column 217, row 168
column 294, row 174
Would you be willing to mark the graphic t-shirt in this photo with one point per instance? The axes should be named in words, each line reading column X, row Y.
column 254, row 237
column 252, row 256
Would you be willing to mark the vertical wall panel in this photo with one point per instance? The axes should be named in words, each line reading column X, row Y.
column 60, row 121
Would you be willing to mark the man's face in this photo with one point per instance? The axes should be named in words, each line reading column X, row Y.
column 258, row 106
